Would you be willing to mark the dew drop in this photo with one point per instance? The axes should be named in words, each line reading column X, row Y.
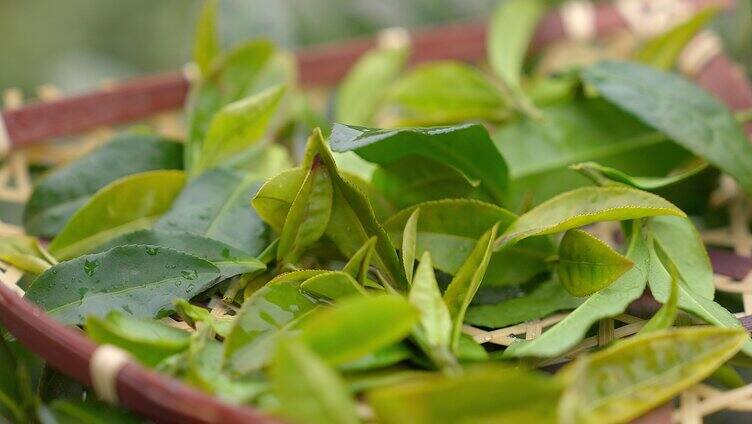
column 189, row 274
column 151, row 250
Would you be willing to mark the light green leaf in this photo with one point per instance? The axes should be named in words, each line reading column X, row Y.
column 362, row 91
column 135, row 279
column 546, row 299
column 193, row 315
column 587, row 265
column 585, row 206
column 662, row 51
column 308, row 216
column 147, row 340
column 125, row 205
column 666, row 315
column 206, row 43
column 690, row 116
column 604, row 175
column 450, row 240
column 229, row 260
column 272, row 201
column 60, row 193
column 215, row 205
column 237, row 127
column 271, row 311
column 307, row 389
column 358, row 265
column 358, row 326
column 608, row 302
column 610, row 386
column 25, row 253
column 425, row 295
column 467, row 148
column 466, row 281
column 334, row 285
column 440, row 93
column 409, row 237
column 483, row 394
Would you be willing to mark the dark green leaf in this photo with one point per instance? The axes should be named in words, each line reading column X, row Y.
column 137, row 279
column 92, row 412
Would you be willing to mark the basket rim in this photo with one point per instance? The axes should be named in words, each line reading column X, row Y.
column 164, row 399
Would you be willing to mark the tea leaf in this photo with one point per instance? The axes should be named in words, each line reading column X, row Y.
column 585, row 206
column 308, row 216
column 425, row 295
column 146, row 340
column 450, row 240
column 482, row 394
column 510, row 31
column 466, row 281
column 662, row 51
column 60, row 193
column 445, row 93
column 215, row 205
column 136, row 279
column 382, row 358
column 546, row 299
column 272, row 201
column 357, row 266
column 467, row 148
column 236, row 127
column 206, row 43
column 690, row 116
column 90, row 411
column 334, row 285
column 610, row 386
column 18, row 370
column 271, row 311
column 362, row 91
column 409, row 236
column 307, row 389
column 604, row 175
column 608, row 302
column 358, row 326
column 666, row 315
column 25, row 253
column 587, row 265
column 193, row 315
column 352, row 220
column 128, row 204
column 229, row 260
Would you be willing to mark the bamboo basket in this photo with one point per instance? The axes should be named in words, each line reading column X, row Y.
column 35, row 132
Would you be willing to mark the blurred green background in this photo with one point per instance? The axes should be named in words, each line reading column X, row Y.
column 75, row 44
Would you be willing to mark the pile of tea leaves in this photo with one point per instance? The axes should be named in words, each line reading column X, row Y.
column 341, row 273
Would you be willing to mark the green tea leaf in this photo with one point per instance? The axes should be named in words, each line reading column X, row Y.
column 307, row 389
column 271, row 311
column 361, row 93
column 450, row 240
column 585, row 206
column 60, row 193
column 229, row 260
column 149, row 341
column 125, row 205
column 409, row 237
column 193, row 315
column 358, row 265
column 90, row 411
column 608, row 302
column 587, row 265
column 215, row 205
column 358, row 326
column 352, row 220
column 236, row 127
column 273, row 200
column 25, row 253
column 546, row 299
column 666, row 315
column 604, row 175
column 334, row 285
column 662, row 51
column 489, row 393
column 425, row 295
column 439, row 93
column 466, row 281
column 136, row 279
column 206, row 43
column 467, row 148
column 382, row 358
column 690, row 116
column 510, row 32
column 610, row 386
column 18, row 371
column 308, row 216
